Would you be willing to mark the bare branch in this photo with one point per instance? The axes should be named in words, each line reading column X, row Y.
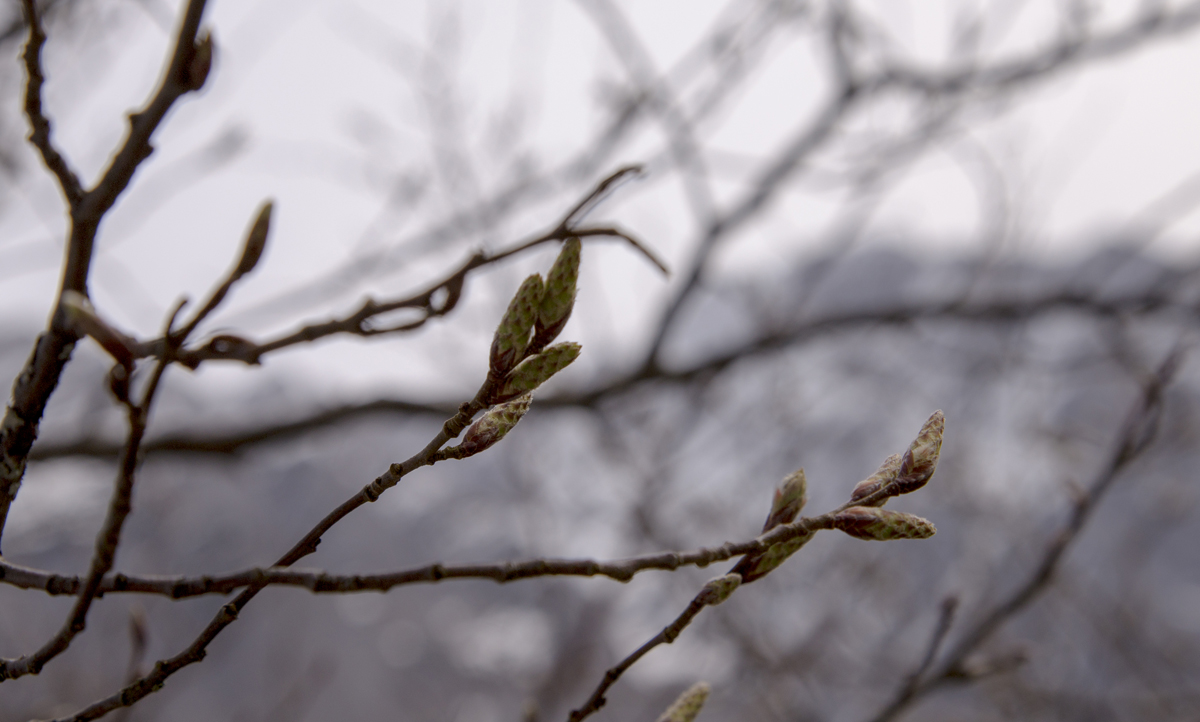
column 120, row 505
column 39, row 124
column 53, row 348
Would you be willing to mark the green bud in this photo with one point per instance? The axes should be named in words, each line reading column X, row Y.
column 687, row 705
column 875, row 524
column 920, row 461
column 756, row 566
column 493, row 425
column 790, row 498
column 536, row 370
column 559, row 297
column 718, row 589
column 885, row 475
column 512, row 335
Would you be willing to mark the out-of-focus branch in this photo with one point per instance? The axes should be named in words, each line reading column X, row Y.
column 188, row 68
column 39, row 124
column 234, row 442
column 1137, row 433
column 851, row 91
column 994, row 311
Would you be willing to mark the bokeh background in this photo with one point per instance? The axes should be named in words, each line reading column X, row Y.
column 870, row 210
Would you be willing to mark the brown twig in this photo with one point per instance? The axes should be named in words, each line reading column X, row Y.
column 120, row 505
column 179, row 587
column 39, row 124
column 668, row 635
column 437, row 300
column 1137, row 433
column 195, row 652
column 53, row 348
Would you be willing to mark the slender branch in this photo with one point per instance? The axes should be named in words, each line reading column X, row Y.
column 120, row 505
column 308, row 544
column 39, row 124
column 437, row 300
column 668, row 635
column 1137, row 433
column 179, row 587
column 53, row 348
column 196, row 651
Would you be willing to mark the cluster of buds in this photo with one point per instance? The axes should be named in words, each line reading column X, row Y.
column 899, row 474
column 521, row 358
column 687, row 705
column 907, row 472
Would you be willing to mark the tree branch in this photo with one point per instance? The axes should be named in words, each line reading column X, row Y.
column 39, row 124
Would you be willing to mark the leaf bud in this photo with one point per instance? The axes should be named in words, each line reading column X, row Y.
column 920, row 461
column 718, row 589
column 885, row 475
column 536, row 370
column 875, row 524
column 512, row 335
column 559, row 297
column 756, row 566
column 790, row 498
column 493, row 426
column 687, row 705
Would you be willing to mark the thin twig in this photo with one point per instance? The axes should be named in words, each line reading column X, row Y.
column 40, row 131
column 195, row 652
column 53, row 348
column 668, row 635
column 120, row 505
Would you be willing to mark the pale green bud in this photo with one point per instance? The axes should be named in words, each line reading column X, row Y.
column 687, row 705
column 756, row 566
column 885, row 475
column 536, row 370
column 790, row 498
column 512, row 335
column 493, row 425
column 559, row 297
column 875, row 524
column 718, row 589
column 920, row 461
